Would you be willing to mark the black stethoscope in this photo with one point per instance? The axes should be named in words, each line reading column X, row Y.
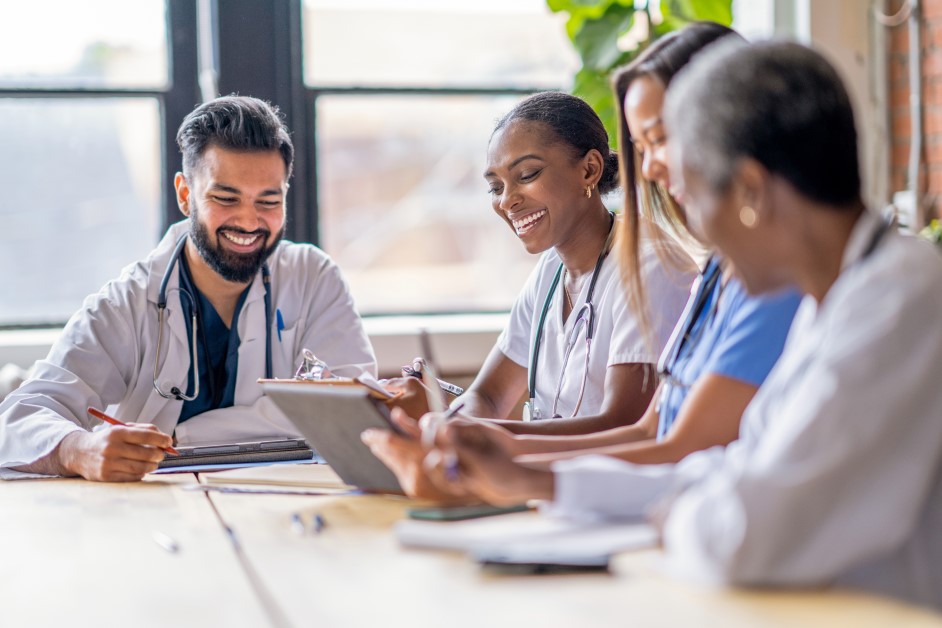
column 683, row 333
column 176, row 393
column 585, row 317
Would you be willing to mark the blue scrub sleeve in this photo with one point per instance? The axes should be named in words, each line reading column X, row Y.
column 756, row 334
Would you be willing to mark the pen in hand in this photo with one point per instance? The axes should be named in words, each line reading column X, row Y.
column 98, row 414
column 451, row 459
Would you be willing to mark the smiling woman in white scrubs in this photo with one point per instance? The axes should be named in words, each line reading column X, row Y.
column 548, row 165
column 837, row 475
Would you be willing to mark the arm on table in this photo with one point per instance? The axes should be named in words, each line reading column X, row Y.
column 498, row 387
column 43, row 425
column 628, row 392
column 709, row 417
column 118, row 454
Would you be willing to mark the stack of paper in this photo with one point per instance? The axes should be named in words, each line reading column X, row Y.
column 292, row 475
column 528, row 536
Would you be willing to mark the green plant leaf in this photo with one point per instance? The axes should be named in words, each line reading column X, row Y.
column 719, row 11
column 933, row 232
column 586, row 9
column 594, row 27
column 592, row 86
column 576, row 5
column 579, row 11
column 596, row 41
column 668, row 23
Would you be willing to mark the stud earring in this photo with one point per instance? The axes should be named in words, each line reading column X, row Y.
column 748, row 217
column 588, row 191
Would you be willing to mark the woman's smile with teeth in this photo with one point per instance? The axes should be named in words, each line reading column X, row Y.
column 523, row 225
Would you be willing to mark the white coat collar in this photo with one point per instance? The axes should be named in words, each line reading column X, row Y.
column 861, row 237
column 251, row 326
column 159, row 259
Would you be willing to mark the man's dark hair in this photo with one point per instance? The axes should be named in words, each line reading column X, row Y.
column 779, row 103
column 234, row 123
column 574, row 123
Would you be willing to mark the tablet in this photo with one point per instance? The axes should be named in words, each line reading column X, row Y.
column 273, row 449
column 331, row 419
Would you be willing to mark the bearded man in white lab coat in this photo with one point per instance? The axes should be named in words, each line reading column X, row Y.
column 258, row 302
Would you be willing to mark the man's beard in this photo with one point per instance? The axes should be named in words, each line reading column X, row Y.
column 231, row 266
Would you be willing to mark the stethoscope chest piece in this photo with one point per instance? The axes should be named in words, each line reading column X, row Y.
column 531, row 412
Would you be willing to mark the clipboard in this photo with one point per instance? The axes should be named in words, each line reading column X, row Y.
column 374, row 391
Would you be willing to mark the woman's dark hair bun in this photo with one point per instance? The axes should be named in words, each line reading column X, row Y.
column 609, row 181
column 573, row 122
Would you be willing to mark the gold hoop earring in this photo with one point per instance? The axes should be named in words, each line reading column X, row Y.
column 748, row 217
column 588, row 191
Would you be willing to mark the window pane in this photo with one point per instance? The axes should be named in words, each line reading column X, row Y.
column 91, row 43
column 436, row 43
column 404, row 207
column 81, row 202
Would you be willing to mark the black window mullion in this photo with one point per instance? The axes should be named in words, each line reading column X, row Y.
column 182, row 96
column 260, row 52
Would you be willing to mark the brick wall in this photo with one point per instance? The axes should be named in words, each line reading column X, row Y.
column 898, row 76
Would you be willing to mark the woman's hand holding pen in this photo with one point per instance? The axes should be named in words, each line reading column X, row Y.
column 412, row 395
column 403, row 454
column 485, row 467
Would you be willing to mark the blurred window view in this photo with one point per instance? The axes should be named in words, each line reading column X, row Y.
column 406, row 96
column 92, row 43
column 436, row 43
column 82, row 168
column 84, row 203
column 404, row 208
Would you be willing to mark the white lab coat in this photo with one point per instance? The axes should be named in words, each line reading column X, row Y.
column 105, row 355
column 837, row 475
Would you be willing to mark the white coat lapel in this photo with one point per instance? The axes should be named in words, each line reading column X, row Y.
column 252, row 321
column 174, row 367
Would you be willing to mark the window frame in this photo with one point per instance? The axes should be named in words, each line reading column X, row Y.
column 173, row 103
column 257, row 50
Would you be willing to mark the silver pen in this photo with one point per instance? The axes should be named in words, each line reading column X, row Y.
column 297, row 524
column 166, row 542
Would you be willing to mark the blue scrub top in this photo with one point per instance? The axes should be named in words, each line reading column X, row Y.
column 736, row 335
column 217, row 350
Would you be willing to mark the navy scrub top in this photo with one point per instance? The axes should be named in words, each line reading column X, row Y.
column 217, row 350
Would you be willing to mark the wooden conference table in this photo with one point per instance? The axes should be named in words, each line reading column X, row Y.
column 76, row 553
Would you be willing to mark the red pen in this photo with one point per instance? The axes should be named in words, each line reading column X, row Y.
column 98, row 414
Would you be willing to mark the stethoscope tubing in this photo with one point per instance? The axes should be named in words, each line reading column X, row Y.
column 175, row 392
column 570, row 342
